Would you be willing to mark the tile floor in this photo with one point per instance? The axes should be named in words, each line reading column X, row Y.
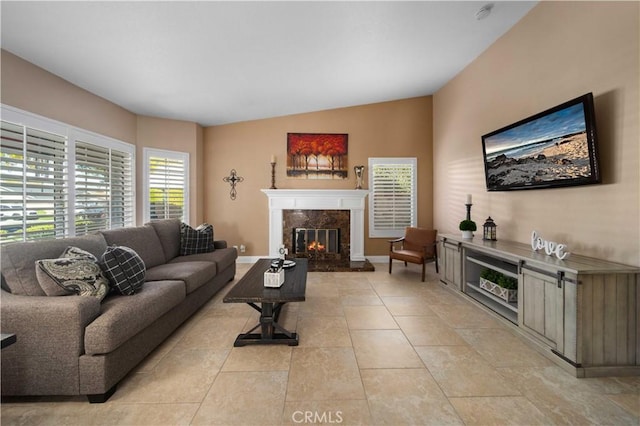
column 375, row 349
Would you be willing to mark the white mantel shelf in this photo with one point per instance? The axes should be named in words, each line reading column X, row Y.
column 317, row 199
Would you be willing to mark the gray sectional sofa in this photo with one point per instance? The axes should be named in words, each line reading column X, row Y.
column 77, row 345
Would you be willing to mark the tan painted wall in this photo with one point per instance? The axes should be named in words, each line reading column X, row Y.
column 558, row 51
column 33, row 89
column 391, row 129
column 174, row 135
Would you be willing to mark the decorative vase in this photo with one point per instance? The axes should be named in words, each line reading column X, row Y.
column 359, row 170
column 467, row 235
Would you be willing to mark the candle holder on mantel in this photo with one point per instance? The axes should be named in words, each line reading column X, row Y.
column 468, row 211
column 273, row 175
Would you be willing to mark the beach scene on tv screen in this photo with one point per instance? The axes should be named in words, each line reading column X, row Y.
column 551, row 148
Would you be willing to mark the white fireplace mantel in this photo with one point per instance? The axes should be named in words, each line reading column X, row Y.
column 317, row 199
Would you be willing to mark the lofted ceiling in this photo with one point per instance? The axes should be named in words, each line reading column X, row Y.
column 216, row 62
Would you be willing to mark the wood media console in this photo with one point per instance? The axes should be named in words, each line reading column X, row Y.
column 584, row 311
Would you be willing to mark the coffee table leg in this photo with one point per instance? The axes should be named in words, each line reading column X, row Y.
column 269, row 315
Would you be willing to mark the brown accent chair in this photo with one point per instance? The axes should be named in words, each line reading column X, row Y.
column 418, row 246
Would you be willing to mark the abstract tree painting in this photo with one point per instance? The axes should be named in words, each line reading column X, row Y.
column 317, row 155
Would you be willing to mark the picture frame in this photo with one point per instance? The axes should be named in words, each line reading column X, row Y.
column 317, row 155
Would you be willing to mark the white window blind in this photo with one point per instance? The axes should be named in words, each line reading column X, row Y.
column 57, row 180
column 103, row 188
column 393, row 197
column 34, row 191
column 166, row 184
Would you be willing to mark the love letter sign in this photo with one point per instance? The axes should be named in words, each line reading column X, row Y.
column 549, row 247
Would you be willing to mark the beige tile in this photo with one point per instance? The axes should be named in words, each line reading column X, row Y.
column 461, row 371
column 465, row 316
column 214, row 332
column 406, row 397
column 321, row 289
column 384, row 349
column 80, row 412
column 399, row 287
column 184, row 375
column 259, row 358
column 323, row 332
column 407, row 305
column 629, row 402
column 501, row 410
column 428, row 331
column 324, row 374
column 359, row 297
column 493, row 344
column 369, row 318
column 321, row 306
column 347, row 412
column 566, row 399
column 244, row 398
column 354, row 281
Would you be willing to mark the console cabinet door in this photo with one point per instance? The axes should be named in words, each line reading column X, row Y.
column 542, row 306
column 451, row 255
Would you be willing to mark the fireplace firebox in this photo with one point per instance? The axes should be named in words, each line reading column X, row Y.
column 315, row 241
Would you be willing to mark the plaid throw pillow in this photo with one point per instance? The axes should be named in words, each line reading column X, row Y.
column 124, row 268
column 194, row 241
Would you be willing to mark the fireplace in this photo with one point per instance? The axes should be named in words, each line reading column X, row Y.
column 317, row 234
column 351, row 202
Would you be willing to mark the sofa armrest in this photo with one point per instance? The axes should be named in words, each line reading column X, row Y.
column 220, row 244
column 50, row 339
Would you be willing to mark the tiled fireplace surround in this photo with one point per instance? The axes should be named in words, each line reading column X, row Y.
column 296, row 207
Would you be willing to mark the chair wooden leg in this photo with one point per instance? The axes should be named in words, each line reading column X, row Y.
column 390, row 261
column 405, row 264
column 423, row 265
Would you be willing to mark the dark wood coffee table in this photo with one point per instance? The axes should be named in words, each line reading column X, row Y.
column 251, row 290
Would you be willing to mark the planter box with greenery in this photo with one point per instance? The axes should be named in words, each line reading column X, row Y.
column 498, row 284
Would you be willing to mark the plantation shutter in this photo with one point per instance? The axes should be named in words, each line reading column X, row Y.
column 167, row 176
column 103, row 188
column 34, row 190
column 393, row 197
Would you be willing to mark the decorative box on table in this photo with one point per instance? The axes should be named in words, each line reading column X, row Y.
column 274, row 279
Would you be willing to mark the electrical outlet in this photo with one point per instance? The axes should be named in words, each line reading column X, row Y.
column 235, row 247
column 242, row 248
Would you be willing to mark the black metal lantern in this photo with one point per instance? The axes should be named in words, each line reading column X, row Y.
column 489, row 230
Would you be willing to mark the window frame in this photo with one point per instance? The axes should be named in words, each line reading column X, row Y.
column 147, row 154
column 73, row 135
column 397, row 232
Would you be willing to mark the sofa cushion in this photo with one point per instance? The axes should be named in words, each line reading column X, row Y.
column 168, row 231
column 223, row 258
column 142, row 239
column 18, row 260
column 194, row 241
column 194, row 274
column 75, row 272
column 124, row 268
column 123, row 317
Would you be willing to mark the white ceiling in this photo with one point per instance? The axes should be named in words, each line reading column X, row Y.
column 224, row 62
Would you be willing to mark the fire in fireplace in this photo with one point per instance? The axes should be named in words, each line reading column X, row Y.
column 315, row 241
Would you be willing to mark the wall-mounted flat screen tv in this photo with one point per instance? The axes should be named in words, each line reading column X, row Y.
column 557, row 147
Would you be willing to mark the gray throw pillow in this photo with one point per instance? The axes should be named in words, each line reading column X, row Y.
column 195, row 241
column 124, row 268
column 75, row 272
